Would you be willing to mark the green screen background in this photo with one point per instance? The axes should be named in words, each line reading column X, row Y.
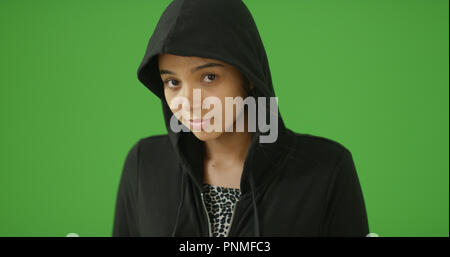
column 372, row 75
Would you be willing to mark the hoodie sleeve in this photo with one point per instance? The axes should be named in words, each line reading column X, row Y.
column 346, row 212
column 125, row 217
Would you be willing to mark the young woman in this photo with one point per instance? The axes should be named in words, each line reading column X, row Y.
column 264, row 180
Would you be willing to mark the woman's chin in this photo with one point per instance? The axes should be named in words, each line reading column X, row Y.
column 206, row 136
column 203, row 133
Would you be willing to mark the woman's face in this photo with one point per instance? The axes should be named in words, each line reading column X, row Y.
column 181, row 75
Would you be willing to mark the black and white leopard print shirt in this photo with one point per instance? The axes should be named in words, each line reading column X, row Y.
column 220, row 202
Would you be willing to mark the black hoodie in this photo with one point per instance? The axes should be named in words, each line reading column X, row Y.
column 299, row 185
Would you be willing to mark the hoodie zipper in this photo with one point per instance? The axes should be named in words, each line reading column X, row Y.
column 207, row 216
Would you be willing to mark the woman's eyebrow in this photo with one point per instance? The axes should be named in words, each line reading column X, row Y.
column 207, row 65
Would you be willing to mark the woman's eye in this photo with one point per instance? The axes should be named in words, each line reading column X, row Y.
column 172, row 82
column 210, row 77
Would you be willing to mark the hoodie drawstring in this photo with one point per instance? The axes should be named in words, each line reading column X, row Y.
column 255, row 208
column 252, row 187
column 179, row 204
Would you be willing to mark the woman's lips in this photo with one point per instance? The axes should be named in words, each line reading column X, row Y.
column 197, row 124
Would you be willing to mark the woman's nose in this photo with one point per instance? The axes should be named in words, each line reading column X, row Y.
column 194, row 96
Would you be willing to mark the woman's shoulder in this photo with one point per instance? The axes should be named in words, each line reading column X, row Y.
column 154, row 140
column 319, row 143
column 318, row 149
column 150, row 146
column 153, row 153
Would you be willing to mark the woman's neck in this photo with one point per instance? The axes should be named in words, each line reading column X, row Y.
column 230, row 146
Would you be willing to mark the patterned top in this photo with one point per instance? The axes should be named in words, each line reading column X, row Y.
column 220, row 203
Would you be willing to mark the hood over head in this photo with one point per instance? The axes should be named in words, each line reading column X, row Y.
column 223, row 30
